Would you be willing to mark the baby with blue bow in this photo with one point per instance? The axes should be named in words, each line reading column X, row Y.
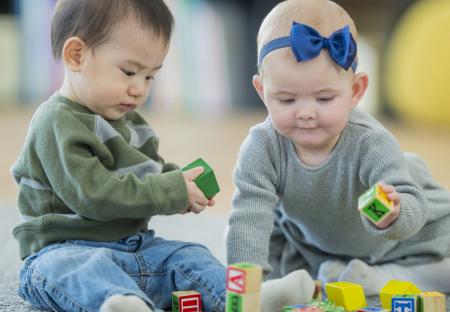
column 300, row 172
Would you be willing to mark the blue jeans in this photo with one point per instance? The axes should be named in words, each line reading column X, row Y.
column 79, row 275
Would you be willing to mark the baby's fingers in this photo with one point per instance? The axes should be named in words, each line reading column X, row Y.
column 387, row 188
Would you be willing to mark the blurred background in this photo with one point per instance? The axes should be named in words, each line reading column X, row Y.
column 203, row 103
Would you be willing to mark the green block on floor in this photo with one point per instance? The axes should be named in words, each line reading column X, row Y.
column 207, row 181
column 234, row 302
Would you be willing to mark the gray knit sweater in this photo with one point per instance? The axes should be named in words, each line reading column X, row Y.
column 287, row 215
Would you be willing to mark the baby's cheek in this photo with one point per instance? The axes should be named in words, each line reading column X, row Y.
column 113, row 93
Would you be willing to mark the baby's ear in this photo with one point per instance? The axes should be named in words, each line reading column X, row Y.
column 72, row 53
column 258, row 85
column 360, row 84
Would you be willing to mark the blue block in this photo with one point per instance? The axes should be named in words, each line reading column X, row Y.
column 372, row 309
column 404, row 304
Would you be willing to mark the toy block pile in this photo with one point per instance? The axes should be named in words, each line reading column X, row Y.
column 243, row 285
column 395, row 296
column 401, row 296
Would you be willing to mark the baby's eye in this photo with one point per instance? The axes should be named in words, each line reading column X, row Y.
column 127, row 72
column 325, row 99
column 149, row 78
column 287, row 101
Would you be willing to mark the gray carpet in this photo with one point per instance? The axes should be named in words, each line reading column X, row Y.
column 206, row 228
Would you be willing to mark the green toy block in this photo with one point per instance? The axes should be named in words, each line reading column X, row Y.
column 374, row 204
column 234, row 302
column 207, row 181
column 248, row 302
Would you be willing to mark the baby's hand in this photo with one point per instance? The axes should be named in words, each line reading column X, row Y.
column 393, row 195
column 210, row 203
column 197, row 201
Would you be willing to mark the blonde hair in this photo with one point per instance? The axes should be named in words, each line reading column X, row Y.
column 323, row 15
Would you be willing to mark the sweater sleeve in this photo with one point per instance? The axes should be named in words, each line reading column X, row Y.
column 382, row 160
column 251, row 219
column 80, row 177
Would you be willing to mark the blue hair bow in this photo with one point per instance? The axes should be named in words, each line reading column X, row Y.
column 307, row 43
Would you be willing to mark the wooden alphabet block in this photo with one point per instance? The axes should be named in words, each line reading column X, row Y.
column 248, row 302
column 374, row 204
column 404, row 303
column 207, row 181
column 243, row 287
column 244, row 278
column 431, row 301
column 186, row 301
column 346, row 294
column 396, row 287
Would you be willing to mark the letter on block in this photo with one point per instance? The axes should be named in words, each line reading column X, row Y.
column 207, row 181
column 374, row 204
column 243, row 287
column 186, row 301
column 346, row 294
column 404, row 303
column 244, row 278
column 431, row 301
column 248, row 302
column 395, row 287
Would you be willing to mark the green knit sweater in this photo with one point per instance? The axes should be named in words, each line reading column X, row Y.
column 83, row 177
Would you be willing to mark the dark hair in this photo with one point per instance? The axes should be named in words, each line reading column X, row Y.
column 91, row 20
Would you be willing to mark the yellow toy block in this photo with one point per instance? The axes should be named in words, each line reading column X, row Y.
column 348, row 295
column 395, row 287
column 431, row 301
column 374, row 204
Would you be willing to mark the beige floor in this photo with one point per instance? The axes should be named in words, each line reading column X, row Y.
column 185, row 138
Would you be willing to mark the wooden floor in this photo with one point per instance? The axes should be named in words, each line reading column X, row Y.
column 183, row 138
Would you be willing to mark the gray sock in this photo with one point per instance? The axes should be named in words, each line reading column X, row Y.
column 329, row 271
column 428, row 277
column 371, row 278
column 295, row 288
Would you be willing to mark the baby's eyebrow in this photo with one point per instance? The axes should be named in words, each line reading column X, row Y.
column 141, row 66
column 325, row 90
column 282, row 92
